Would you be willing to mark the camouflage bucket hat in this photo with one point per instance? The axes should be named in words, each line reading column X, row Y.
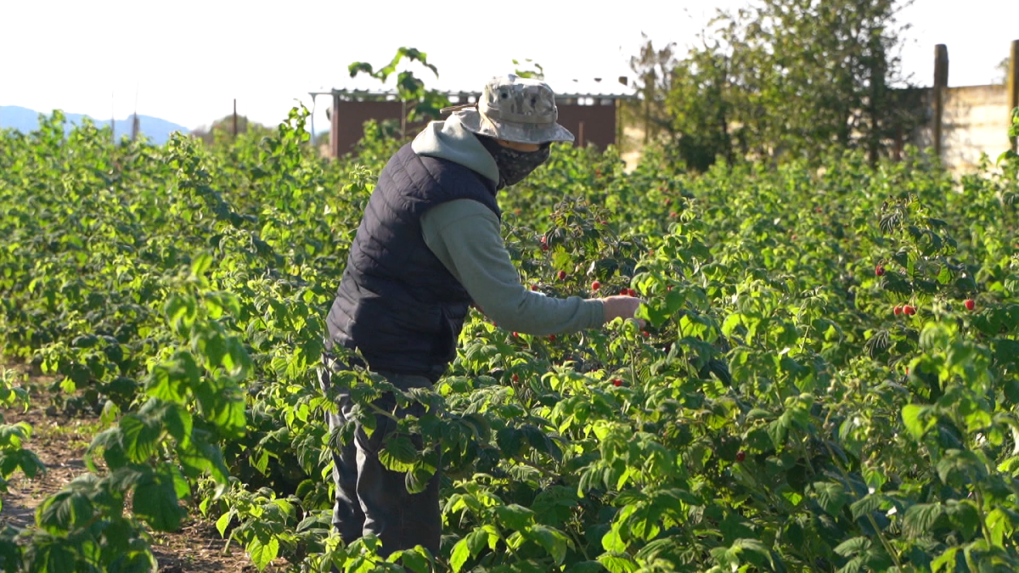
column 514, row 109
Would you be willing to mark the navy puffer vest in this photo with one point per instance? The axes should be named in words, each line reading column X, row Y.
column 396, row 302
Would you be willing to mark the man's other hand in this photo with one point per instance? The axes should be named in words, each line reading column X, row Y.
column 620, row 307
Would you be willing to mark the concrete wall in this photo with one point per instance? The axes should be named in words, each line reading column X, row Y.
column 975, row 121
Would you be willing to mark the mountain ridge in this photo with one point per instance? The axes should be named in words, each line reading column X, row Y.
column 26, row 120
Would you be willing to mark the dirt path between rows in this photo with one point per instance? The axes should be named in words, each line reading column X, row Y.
column 60, row 442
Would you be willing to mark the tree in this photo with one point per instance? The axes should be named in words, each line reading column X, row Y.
column 222, row 129
column 787, row 77
column 653, row 83
column 1002, row 69
column 421, row 103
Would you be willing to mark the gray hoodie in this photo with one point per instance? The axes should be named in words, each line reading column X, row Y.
column 465, row 236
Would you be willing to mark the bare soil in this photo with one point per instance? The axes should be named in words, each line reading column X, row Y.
column 61, row 442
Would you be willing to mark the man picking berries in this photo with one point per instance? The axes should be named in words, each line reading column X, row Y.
column 428, row 247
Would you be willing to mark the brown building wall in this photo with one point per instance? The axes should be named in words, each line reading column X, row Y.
column 590, row 124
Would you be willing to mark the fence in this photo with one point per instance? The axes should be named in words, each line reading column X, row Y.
column 967, row 122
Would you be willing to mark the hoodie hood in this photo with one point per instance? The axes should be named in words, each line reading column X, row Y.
column 450, row 141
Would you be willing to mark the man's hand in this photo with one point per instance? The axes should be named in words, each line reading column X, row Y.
column 620, row 307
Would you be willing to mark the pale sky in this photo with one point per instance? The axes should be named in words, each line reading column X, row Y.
column 188, row 59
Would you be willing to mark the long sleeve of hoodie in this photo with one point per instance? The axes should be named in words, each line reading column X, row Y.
column 464, row 235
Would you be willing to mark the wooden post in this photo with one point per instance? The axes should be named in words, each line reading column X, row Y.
column 334, row 132
column 403, row 119
column 580, row 135
column 1013, row 86
column 940, row 82
column 235, row 117
column 618, row 105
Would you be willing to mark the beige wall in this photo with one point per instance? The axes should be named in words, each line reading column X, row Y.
column 975, row 121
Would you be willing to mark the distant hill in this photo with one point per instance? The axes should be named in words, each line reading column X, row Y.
column 155, row 129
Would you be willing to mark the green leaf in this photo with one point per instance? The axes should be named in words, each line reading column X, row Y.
column 853, row 546
column 946, row 560
column 831, row 496
column 223, row 522
column 961, row 467
column 617, row 562
column 178, row 423
column 461, row 552
column 476, row 541
column 964, row 516
column 262, row 553
column 917, row 420
column 63, row 511
column 155, row 501
column 514, row 516
column 399, row 453
column 920, row 518
column 140, row 437
column 201, row 264
column 417, row 559
column 866, row 505
column 553, row 541
column 53, row 555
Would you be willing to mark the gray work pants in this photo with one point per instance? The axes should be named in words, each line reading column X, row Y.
column 371, row 499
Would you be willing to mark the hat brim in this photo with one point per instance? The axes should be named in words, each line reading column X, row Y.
column 473, row 121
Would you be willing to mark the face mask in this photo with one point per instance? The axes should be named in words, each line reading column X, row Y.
column 514, row 165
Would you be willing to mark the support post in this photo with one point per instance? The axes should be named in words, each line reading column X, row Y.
column 940, row 83
column 235, row 118
column 580, row 135
column 1013, row 87
column 334, row 131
